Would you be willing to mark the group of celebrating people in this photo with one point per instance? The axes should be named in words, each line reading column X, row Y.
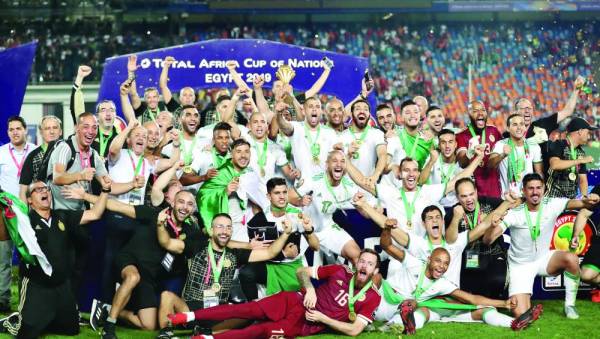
column 203, row 210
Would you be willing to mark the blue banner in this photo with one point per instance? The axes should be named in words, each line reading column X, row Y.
column 15, row 66
column 202, row 65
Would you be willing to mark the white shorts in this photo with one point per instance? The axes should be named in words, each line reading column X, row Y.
column 332, row 239
column 521, row 276
column 385, row 311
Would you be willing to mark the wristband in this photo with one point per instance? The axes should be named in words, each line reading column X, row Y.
column 176, row 146
column 312, row 230
column 130, row 76
column 105, row 190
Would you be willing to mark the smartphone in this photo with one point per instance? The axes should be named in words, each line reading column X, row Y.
column 367, row 78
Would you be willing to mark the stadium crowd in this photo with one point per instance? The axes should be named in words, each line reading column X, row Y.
column 428, row 59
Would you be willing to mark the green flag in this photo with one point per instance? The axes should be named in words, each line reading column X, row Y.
column 16, row 218
column 212, row 197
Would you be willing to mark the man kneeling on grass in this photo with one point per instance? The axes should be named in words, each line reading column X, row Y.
column 423, row 302
column 333, row 304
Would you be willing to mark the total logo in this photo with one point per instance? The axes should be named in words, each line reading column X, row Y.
column 563, row 231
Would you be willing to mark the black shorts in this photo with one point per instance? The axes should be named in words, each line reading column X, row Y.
column 146, row 293
column 592, row 256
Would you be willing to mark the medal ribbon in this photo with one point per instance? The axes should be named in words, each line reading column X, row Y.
column 403, row 136
column 314, row 146
column 353, row 298
column 216, row 268
column 19, row 165
column 472, row 130
column 140, row 164
column 262, row 156
column 534, row 230
column 104, row 141
column 516, row 162
column 330, row 189
column 287, row 209
column 448, row 173
column 430, row 244
column 573, row 152
column 360, row 139
column 218, row 159
column 476, row 217
column 187, row 153
column 409, row 208
column 419, row 290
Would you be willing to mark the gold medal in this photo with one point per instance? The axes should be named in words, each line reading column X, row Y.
column 262, row 171
column 572, row 176
column 352, row 316
column 492, row 139
column 182, row 236
column 409, row 224
column 187, row 169
column 216, row 287
column 61, row 226
column 227, row 263
column 316, row 160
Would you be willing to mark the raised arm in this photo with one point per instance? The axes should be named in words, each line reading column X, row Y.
column 116, row 145
column 467, row 172
column 385, row 241
column 136, row 102
column 426, row 172
column 318, row 85
column 126, row 107
column 77, row 103
column 569, row 108
column 235, row 76
column 164, row 79
column 261, row 103
column 164, row 239
column 285, row 126
column 77, row 192
column 156, row 194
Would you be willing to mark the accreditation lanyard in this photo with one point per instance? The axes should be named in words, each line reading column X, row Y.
column 409, row 208
column 353, row 298
column 85, row 158
column 19, row 165
column 534, row 230
column 472, row 130
column 516, row 162
column 141, row 164
column 420, row 289
column 476, row 217
column 104, row 141
column 403, row 136
column 187, row 153
column 215, row 268
column 172, row 224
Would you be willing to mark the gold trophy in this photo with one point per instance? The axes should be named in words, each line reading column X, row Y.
column 285, row 74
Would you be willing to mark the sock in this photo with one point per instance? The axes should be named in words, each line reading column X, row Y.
column 571, row 286
column 492, row 317
column 420, row 319
column 111, row 320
